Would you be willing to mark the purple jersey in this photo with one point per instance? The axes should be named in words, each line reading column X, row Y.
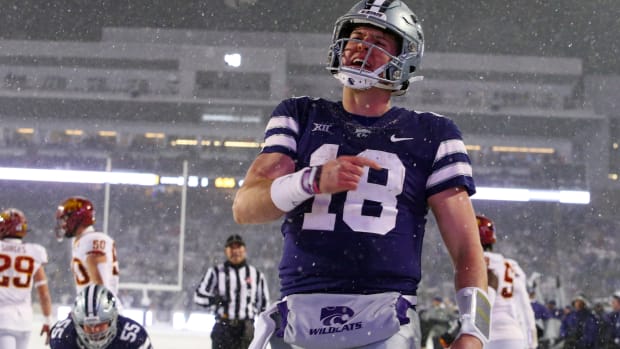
column 129, row 335
column 368, row 240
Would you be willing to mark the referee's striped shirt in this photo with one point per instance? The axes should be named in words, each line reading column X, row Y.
column 242, row 290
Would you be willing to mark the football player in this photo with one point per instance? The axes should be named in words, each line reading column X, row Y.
column 513, row 325
column 21, row 268
column 94, row 323
column 355, row 180
column 94, row 254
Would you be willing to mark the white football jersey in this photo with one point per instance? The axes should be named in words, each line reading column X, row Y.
column 18, row 263
column 95, row 243
column 512, row 317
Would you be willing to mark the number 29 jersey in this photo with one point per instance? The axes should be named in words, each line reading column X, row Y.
column 368, row 240
column 19, row 261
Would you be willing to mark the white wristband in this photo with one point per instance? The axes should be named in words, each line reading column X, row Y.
column 475, row 313
column 288, row 191
column 48, row 320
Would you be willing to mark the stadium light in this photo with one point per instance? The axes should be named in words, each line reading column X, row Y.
column 233, row 60
column 581, row 197
column 25, row 130
column 225, row 182
column 526, row 195
column 174, row 180
column 207, row 117
column 72, row 176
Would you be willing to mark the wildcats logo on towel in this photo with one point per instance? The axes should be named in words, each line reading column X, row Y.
column 336, row 320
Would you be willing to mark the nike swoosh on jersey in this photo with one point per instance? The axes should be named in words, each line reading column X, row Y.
column 393, row 138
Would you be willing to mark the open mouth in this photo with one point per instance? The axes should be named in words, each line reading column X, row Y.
column 359, row 63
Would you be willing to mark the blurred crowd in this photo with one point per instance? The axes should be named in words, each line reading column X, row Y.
column 578, row 324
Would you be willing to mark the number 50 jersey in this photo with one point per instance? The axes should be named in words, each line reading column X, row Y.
column 368, row 240
column 97, row 244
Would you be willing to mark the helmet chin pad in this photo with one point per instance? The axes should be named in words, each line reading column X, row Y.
column 359, row 79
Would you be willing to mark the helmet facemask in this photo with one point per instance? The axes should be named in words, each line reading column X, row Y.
column 394, row 18
column 62, row 230
column 486, row 230
column 386, row 76
column 73, row 214
column 97, row 340
column 95, row 305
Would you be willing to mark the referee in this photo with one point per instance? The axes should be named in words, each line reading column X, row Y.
column 235, row 292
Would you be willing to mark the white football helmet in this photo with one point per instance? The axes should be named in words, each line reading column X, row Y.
column 95, row 305
column 389, row 15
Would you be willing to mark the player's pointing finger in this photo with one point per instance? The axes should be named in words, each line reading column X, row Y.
column 362, row 161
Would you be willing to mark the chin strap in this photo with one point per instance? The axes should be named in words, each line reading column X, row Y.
column 364, row 80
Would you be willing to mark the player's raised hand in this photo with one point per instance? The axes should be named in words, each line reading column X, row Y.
column 344, row 173
column 45, row 331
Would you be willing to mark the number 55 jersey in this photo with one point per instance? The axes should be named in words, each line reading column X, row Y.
column 129, row 335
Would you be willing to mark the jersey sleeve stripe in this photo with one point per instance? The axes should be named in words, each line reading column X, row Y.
column 282, row 140
column 449, row 147
column 448, row 172
column 282, row 122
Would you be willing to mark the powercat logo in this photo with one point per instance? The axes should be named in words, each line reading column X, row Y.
column 336, row 319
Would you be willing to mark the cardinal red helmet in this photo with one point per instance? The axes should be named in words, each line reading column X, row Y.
column 486, row 228
column 13, row 224
column 73, row 213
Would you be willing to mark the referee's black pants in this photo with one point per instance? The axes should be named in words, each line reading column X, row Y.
column 232, row 334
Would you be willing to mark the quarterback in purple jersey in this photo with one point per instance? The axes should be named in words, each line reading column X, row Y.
column 355, row 180
column 368, row 240
column 94, row 323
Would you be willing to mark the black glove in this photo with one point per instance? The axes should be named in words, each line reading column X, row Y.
column 218, row 300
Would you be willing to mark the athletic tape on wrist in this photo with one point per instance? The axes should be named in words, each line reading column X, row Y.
column 314, row 180
column 40, row 283
column 475, row 313
column 288, row 191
